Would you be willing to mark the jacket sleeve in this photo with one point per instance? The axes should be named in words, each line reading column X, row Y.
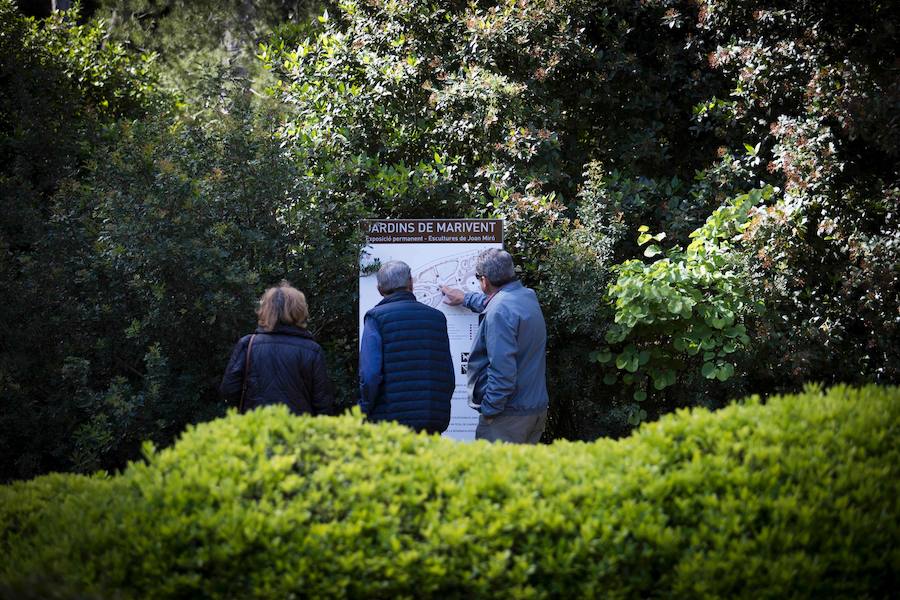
column 475, row 301
column 501, row 333
column 323, row 395
column 370, row 365
column 233, row 381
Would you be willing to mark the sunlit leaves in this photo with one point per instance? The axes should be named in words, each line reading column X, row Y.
column 750, row 500
column 669, row 311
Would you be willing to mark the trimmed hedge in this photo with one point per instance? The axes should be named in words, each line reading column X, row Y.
column 796, row 497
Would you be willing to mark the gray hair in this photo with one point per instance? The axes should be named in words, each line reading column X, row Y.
column 496, row 265
column 393, row 276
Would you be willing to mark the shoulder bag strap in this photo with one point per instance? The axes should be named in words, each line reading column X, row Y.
column 246, row 373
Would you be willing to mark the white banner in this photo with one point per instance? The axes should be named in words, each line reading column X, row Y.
column 439, row 252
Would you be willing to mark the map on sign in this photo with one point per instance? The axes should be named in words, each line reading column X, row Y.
column 456, row 271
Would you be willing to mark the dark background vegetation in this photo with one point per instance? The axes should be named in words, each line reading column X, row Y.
column 159, row 168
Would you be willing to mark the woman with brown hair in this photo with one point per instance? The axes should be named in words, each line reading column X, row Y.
column 281, row 363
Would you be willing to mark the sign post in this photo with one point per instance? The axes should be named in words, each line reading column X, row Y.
column 438, row 252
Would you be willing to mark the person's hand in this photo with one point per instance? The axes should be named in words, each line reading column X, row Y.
column 453, row 296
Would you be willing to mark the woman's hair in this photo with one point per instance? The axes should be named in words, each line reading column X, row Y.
column 282, row 305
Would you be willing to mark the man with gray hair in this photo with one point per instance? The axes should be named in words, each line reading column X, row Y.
column 405, row 368
column 507, row 365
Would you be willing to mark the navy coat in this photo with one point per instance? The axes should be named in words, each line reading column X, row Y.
column 287, row 366
column 417, row 380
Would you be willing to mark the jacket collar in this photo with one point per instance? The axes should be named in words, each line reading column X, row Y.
column 281, row 329
column 508, row 286
column 398, row 297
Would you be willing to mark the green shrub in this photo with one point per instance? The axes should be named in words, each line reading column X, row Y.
column 797, row 496
column 814, row 114
column 63, row 86
column 683, row 314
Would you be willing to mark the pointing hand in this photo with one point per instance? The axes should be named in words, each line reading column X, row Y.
column 452, row 296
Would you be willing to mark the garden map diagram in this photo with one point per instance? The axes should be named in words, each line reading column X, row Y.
column 456, row 271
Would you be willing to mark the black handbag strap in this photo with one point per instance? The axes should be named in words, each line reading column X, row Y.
column 246, row 373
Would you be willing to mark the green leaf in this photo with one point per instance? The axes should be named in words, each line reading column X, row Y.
column 652, row 250
column 640, row 395
column 643, row 229
column 708, row 370
column 615, row 335
column 670, row 377
column 725, row 371
column 718, row 322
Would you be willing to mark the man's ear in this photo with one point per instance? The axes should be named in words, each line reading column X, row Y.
column 409, row 286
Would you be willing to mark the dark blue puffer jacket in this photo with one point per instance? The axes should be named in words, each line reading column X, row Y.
column 417, row 369
column 287, row 366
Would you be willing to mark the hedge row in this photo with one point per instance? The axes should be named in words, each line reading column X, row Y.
column 799, row 496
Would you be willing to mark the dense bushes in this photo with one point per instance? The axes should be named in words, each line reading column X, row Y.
column 683, row 313
column 580, row 122
column 196, row 37
column 795, row 497
column 140, row 227
column 153, row 260
column 810, row 88
column 136, row 249
column 62, row 86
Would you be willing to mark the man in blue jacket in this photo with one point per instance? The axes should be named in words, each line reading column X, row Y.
column 507, row 365
column 405, row 368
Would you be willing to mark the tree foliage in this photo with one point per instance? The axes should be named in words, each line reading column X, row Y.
column 580, row 121
column 686, row 312
column 196, row 37
column 64, row 86
column 755, row 142
column 145, row 251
